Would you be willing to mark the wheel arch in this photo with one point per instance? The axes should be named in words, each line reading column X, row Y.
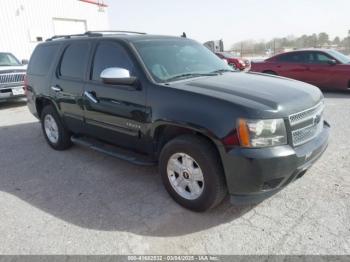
column 41, row 102
column 271, row 72
column 164, row 132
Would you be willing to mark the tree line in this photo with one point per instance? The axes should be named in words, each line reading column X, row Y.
column 277, row 45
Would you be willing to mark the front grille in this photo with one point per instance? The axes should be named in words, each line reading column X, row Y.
column 10, row 78
column 307, row 124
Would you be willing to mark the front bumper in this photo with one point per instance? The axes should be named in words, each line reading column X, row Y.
column 255, row 174
column 11, row 92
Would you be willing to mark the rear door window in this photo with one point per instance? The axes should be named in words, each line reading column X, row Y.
column 309, row 57
column 292, row 58
column 74, row 60
column 110, row 54
column 42, row 58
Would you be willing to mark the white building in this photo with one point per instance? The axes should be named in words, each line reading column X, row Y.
column 25, row 23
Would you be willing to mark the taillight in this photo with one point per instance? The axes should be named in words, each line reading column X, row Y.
column 25, row 84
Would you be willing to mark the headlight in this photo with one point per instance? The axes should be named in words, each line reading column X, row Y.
column 261, row 133
column 241, row 62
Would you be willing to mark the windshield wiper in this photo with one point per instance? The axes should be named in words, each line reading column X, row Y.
column 190, row 75
column 222, row 71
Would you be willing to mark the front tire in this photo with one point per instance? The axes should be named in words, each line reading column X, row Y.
column 192, row 173
column 56, row 134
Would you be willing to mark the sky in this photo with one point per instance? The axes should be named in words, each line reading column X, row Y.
column 231, row 20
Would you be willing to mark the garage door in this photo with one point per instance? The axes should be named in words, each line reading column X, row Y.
column 68, row 26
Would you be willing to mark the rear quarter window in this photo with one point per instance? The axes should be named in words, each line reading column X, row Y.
column 42, row 59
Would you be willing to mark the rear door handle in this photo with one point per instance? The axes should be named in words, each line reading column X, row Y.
column 116, row 102
column 56, row 88
column 91, row 97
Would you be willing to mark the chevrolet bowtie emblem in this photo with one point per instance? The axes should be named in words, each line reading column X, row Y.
column 317, row 119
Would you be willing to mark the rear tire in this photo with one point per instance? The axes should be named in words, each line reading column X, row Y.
column 270, row 72
column 192, row 173
column 56, row 134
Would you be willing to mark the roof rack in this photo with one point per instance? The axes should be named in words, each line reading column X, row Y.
column 93, row 34
column 115, row 32
column 88, row 34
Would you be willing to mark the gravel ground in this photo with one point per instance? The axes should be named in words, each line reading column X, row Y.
column 83, row 202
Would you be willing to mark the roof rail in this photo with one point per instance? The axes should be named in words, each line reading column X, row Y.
column 115, row 32
column 93, row 34
column 88, row 34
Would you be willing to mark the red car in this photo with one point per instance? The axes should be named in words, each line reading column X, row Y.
column 236, row 62
column 325, row 68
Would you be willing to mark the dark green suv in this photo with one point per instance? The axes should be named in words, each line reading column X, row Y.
column 168, row 100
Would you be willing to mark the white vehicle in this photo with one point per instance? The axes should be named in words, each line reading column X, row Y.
column 12, row 73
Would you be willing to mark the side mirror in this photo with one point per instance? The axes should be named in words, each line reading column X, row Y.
column 332, row 62
column 25, row 62
column 117, row 76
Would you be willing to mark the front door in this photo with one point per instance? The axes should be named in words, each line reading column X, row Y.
column 321, row 72
column 115, row 113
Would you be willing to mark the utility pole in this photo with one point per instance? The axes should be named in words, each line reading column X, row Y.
column 348, row 42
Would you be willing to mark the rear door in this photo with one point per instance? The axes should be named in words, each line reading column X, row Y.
column 68, row 82
column 119, row 113
column 291, row 65
column 42, row 62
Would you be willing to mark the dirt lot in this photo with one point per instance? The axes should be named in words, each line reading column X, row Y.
column 83, row 202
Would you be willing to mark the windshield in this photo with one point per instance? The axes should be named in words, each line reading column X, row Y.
column 171, row 59
column 339, row 56
column 7, row 59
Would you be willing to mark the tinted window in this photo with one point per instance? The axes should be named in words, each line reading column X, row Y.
column 41, row 59
column 292, row 58
column 110, row 55
column 73, row 63
column 309, row 57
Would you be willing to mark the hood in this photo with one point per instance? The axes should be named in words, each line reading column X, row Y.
column 8, row 69
column 259, row 92
column 233, row 59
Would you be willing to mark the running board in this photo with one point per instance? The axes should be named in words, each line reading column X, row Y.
column 114, row 151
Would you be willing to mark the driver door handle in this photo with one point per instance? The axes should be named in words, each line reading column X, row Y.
column 56, row 88
column 91, row 97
